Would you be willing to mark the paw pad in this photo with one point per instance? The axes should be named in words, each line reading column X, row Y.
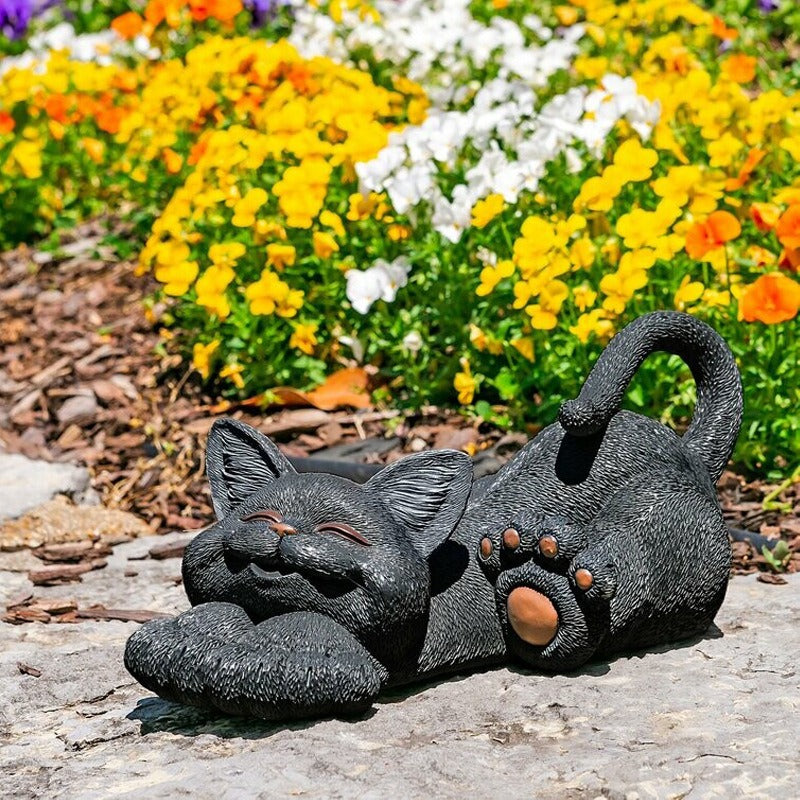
column 532, row 616
column 511, row 538
column 584, row 579
column 548, row 546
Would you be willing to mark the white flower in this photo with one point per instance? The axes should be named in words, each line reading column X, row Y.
column 380, row 282
column 412, row 342
column 355, row 344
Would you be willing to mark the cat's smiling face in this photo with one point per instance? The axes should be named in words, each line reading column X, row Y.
column 287, row 542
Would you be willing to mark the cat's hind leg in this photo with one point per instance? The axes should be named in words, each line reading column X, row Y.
column 650, row 568
column 292, row 666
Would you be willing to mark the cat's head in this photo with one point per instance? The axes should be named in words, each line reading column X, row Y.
column 285, row 541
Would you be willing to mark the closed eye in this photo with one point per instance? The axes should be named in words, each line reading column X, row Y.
column 268, row 515
column 343, row 530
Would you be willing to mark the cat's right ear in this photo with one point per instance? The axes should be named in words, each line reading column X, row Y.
column 427, row 493
column 239, row 462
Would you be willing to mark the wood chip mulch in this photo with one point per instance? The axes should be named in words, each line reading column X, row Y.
column 87, row 377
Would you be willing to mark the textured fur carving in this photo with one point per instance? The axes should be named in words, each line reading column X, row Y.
column 603, row 534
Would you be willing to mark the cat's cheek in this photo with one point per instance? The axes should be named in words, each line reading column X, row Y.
column 205, row 574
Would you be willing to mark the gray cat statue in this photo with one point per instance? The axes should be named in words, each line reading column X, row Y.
column 312, row 593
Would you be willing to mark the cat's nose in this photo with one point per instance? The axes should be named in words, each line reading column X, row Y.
column 283, row 528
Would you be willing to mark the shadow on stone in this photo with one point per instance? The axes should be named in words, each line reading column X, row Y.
column 157, row 715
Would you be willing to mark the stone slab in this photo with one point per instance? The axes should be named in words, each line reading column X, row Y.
column 714, row 718
column 26, row 483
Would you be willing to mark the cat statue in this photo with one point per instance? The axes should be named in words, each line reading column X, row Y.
column 312, row 593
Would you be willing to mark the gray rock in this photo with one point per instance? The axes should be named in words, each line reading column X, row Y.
column 712, row 718
column 26, row 484
column 79, row 408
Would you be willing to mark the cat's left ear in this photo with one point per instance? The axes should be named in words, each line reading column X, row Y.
column 239, row 462
column 427, row 493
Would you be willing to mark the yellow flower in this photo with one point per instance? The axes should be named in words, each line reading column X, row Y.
column 544, row 313
column 592, row 322
column 688, row 292
column 234, row 372
column 270, row 295
column 619, row 287
column 717, row 297
column 491, row 276
column 486, row 210
column 584, row 296
column 280, row 256
column 324, row 244
column 332, row 221
column 599, row 192
column 676, row 186
column 173, row 267
column 637, row 260
column 244, row 210
column 397, row 233
column 94, row 148
column 665, row 247
column 591, row 68
column 29, row 158
column 723, row 150
column 226, row 255
column 304, row 338
column 211, row 286
column 480, row 341
column 524, row 346
column 582, row 253
column 201, row 357
column 465, row 383
column 566, row 15
column 635, row 162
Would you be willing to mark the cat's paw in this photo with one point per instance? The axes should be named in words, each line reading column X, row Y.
column 547, row 622
column 293, row 666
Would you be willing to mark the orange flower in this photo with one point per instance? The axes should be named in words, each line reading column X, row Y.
column 223, row 10
column 128, row 26
column 6, row 122
column 772, row 298
column 172, row 160
column 790, row 260
column 753, row 159
column 109, row 119
column 56, row 107
column 739, row 68
column 765, row 215
column 159, row 10
column 788, row 228
column 721, row 30
column 703, row 237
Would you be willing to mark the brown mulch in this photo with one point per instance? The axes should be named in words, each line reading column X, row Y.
column 85, row 377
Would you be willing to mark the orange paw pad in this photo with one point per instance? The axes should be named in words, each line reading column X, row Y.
column 532, row 615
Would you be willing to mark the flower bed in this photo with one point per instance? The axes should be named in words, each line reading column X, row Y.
column 468, row 197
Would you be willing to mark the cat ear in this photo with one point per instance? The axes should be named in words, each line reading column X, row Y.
column 427, row 493
column 239, row 462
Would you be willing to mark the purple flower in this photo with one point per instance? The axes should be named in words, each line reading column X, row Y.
column 262, row 10
column 768, row 6
column 16, row 14
column 14, row 17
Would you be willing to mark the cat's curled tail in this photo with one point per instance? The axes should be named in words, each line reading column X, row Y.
column 718, row 413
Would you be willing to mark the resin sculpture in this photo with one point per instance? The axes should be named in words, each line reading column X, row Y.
column 311, row 593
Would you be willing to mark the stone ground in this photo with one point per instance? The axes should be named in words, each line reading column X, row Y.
column 714, row 718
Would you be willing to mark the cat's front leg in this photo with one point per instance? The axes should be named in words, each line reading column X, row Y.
column 292, row 666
